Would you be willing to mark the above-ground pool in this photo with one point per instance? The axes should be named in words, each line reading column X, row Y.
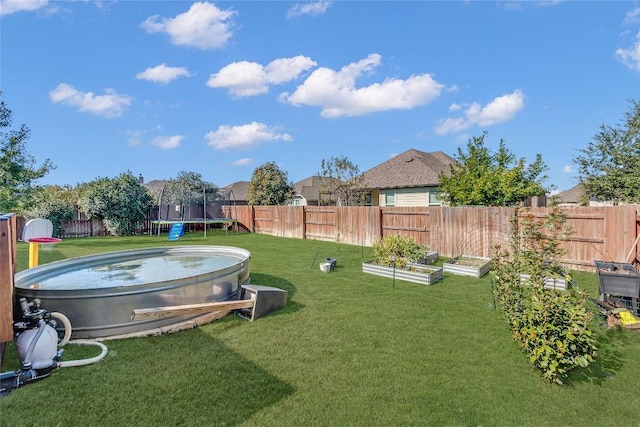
column 98, row 293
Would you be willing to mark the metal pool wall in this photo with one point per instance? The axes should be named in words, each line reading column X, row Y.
column 98, row 293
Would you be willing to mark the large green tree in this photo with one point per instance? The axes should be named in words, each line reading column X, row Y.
column 269, row 186
column 18, row 169
column 122, row 203
column 481, row 177
column 343, row 181
column 609, row 167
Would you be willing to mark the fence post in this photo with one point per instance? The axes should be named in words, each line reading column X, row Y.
column 252, row 218
column 380, row 231
column 304, row 222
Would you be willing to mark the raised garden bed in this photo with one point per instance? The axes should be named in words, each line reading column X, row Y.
column 417, row 273
column 467, row 266
column 431, row 257
column 557, row 283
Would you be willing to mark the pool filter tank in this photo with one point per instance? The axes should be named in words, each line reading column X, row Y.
column 44, row 340
column 37, row 347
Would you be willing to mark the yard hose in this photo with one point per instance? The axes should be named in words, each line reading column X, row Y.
column 67, row 327
column 88, row 361
column 66, row 340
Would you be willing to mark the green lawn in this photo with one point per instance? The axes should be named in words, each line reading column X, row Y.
column 349, row 349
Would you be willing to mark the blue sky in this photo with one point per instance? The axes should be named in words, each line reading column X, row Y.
column 220, row 88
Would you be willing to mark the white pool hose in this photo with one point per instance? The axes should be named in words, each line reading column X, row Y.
column 88, row 361
column 67, row 335
column 67, row 327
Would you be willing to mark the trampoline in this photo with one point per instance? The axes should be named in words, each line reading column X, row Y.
column 228, row 222
column 189, row 208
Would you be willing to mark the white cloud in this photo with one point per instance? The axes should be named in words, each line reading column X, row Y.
column 309, row 8
column 111, row 104
column 203, row 26
column 246, row 78
column 162, row 74
column 167, row 142
column 244, row 136
column 134, row 137
column 632, row 16
column 243, row 161
column 630, row 57
column 568, row 169
column 12, row 6
column 336, row 92
column 501, row 109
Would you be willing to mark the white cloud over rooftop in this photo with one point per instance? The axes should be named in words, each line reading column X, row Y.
column 501, row 109
column 244, row 78
column 203, row 26
column 337, row 94
column 244, row 136
column 162, row 73
column 111, row 104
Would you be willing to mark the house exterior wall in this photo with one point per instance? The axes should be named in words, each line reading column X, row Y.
column 407, row 197
column 374, row 198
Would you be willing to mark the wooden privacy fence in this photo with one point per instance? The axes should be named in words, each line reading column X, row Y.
column 608, row 233
column 604, row 233
column 80, row 227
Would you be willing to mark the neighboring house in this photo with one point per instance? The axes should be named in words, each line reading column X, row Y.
column 236, row 193
column 155, row 187
column 570, row 197
column 408, row 179
column 309, row 192
column 575, row 197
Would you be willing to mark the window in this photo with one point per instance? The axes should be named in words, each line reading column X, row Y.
column 390, row 199
column 297, row 201
column 434, row 198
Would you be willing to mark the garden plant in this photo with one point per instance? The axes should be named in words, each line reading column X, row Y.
column 554, row 328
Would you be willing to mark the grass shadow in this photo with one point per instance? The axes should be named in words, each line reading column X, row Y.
column 196, row 380
column 608, row 361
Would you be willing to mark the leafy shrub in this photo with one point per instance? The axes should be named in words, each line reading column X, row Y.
column 551, row 326
column 57, row 204
column 398, row 250
column 122, row 203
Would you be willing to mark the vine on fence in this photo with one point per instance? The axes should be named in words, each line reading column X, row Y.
column 552, row 327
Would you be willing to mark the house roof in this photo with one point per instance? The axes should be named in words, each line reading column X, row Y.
column 413, row 168
column 309, row 188
column 155, row 185
column 571, row 195
column 237, row 191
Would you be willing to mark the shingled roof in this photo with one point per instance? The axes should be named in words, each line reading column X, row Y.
column 572, row 195
column 239, row 190
column 413, row 168
column 310, row 188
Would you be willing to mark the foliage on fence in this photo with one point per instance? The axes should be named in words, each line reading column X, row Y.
column 398, row 250
column 552, row 327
